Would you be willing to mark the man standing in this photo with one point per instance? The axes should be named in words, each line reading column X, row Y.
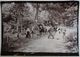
column 50, row 33
column 28, row 33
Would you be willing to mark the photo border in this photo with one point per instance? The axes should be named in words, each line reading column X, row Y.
column 3, row 53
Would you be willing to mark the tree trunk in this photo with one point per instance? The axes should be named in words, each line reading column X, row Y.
column 36, row 16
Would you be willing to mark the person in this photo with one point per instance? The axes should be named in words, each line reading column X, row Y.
column 40, row 29
column 64, row 33
column 28, row 33
column 59, row 29
column 55, row 29
column 50, row 33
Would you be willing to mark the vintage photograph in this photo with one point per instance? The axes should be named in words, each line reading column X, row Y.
column 39, row 27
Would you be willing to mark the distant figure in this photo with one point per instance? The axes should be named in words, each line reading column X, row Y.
column 64, row 32
column 32, row 30
column 28, row 35
column 55, row 29
column 41, row 29
column 50, row 33
column 47, row 28
column 58, row 30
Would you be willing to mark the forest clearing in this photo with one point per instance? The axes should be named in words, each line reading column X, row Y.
column 40, row 27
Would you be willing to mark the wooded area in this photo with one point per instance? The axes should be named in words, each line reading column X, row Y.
column 25, row 22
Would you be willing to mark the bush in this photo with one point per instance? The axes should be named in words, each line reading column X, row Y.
column 71, row 42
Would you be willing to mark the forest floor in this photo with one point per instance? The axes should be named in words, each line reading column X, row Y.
column 43, row 44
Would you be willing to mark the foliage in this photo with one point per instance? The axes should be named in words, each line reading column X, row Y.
column 17, row 17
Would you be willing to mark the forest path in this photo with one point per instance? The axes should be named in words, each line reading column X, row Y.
column 44, row 44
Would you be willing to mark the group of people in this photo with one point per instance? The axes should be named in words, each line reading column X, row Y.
column 42, row 29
